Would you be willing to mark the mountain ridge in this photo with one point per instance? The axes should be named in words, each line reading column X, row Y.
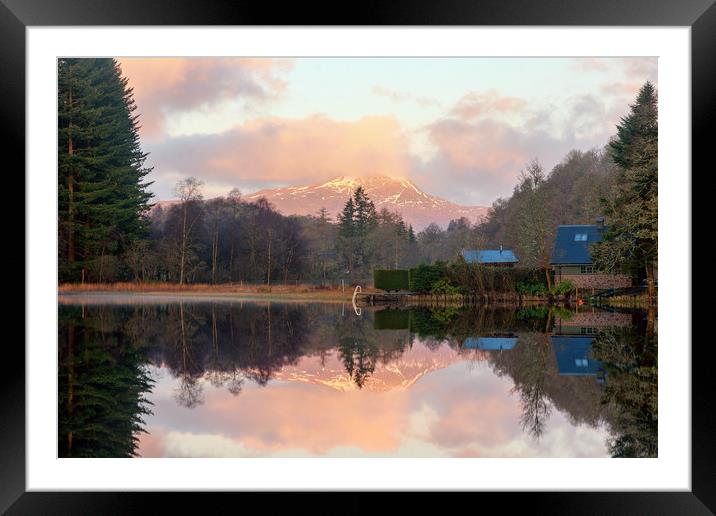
column 396, row 194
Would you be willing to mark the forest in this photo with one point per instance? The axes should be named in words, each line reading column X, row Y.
column 111, row 229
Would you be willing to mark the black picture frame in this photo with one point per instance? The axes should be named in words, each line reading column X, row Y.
column 700, row 15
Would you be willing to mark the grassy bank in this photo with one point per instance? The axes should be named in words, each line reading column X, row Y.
column 300, row 291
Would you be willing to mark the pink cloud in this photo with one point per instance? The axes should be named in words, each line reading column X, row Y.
column 294, row 151
column 477, row 104
column 622, row 89
column 163, row 85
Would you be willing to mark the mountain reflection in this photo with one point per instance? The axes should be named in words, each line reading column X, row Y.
column 596, row 368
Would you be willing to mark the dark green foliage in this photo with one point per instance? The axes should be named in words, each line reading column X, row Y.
column 476, row 279
column 631, row 243
column 424, row 276
column 391, row 279
column 532, row 289
column 357, row 222
column 630, row 360
column 563, row 288
column 391, row 319
column 101, row 391
column 102, row 197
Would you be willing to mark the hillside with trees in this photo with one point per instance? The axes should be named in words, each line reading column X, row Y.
column 108, row 233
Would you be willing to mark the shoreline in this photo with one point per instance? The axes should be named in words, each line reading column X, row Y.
column 228, row 292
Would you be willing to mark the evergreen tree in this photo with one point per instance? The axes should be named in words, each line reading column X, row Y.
column 346, row 228
column 102, row 387
column 411, row 234
column 364, row 214
column 102, row 197
column 631, row 242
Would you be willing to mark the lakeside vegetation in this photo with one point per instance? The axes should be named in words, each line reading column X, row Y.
column 105, row 353
column 109, row 232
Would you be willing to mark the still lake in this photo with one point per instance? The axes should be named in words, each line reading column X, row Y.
column 166, row 376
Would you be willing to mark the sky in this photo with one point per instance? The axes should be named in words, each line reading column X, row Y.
column 462, row 410
column 459, row 128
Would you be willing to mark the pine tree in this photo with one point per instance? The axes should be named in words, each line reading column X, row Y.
column 346, row 227
column 364, row 216
column 102, row 197
column 631, row 242
column 411, row 235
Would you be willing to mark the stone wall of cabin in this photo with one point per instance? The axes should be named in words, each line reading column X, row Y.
column 598, row 281
column 595, row 319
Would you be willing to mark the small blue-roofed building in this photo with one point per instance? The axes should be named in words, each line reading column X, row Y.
column 571, row 259
column 572, row 353
column 491, row 343
column 493, row 257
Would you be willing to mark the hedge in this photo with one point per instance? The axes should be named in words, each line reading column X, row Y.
column 391, row 279
column 391, row 319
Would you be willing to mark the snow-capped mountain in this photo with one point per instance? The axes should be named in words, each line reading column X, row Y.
column 400, row 373
column 396, row 194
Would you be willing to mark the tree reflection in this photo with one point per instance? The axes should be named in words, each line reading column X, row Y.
column 104, row 352
column 630, row 359
column 103, row 383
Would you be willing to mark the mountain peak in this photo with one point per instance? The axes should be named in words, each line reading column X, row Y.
column 397, row 194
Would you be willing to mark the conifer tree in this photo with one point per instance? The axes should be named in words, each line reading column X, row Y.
column 364, row 214
column 631, row 242
column 411, row 234
column 346, row 227
column 102, row 197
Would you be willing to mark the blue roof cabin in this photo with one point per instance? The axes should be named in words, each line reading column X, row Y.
column 493, row 257
column 490, row 343
column 572, row 353
column 572, row 261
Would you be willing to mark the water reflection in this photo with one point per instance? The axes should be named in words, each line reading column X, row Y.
column 278, row 379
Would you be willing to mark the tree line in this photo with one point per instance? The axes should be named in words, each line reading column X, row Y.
column 108, row 230
column 105, row 353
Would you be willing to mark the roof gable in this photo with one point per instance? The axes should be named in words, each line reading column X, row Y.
column 571, row 244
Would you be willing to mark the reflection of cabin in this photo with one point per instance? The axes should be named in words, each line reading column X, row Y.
column 571, row 259
column 590, row 322
column 492, row 257
column 572, row 353
column 494, row 342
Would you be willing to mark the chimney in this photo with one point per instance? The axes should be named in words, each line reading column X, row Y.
column 600, row 222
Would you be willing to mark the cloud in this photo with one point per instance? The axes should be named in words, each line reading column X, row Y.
column 395, row 96
column 631, row 69
column 480, row 104
column 591, row 64
column 621, row 89
column 402, row 96
column 640, row 68
column 277, row 151
column 168, row 85
column 486, row 139
column 476, row 162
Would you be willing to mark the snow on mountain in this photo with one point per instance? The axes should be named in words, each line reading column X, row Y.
column 396, row 194
column 400, row 373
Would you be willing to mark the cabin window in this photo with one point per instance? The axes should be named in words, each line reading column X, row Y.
column 588, row 331
column 581, row 362
column 580, row 237
column 587, row 269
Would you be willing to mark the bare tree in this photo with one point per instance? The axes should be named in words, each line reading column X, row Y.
column 188, row 191
column 536, row 228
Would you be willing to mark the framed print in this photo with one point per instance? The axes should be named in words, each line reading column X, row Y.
column 412, row 250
